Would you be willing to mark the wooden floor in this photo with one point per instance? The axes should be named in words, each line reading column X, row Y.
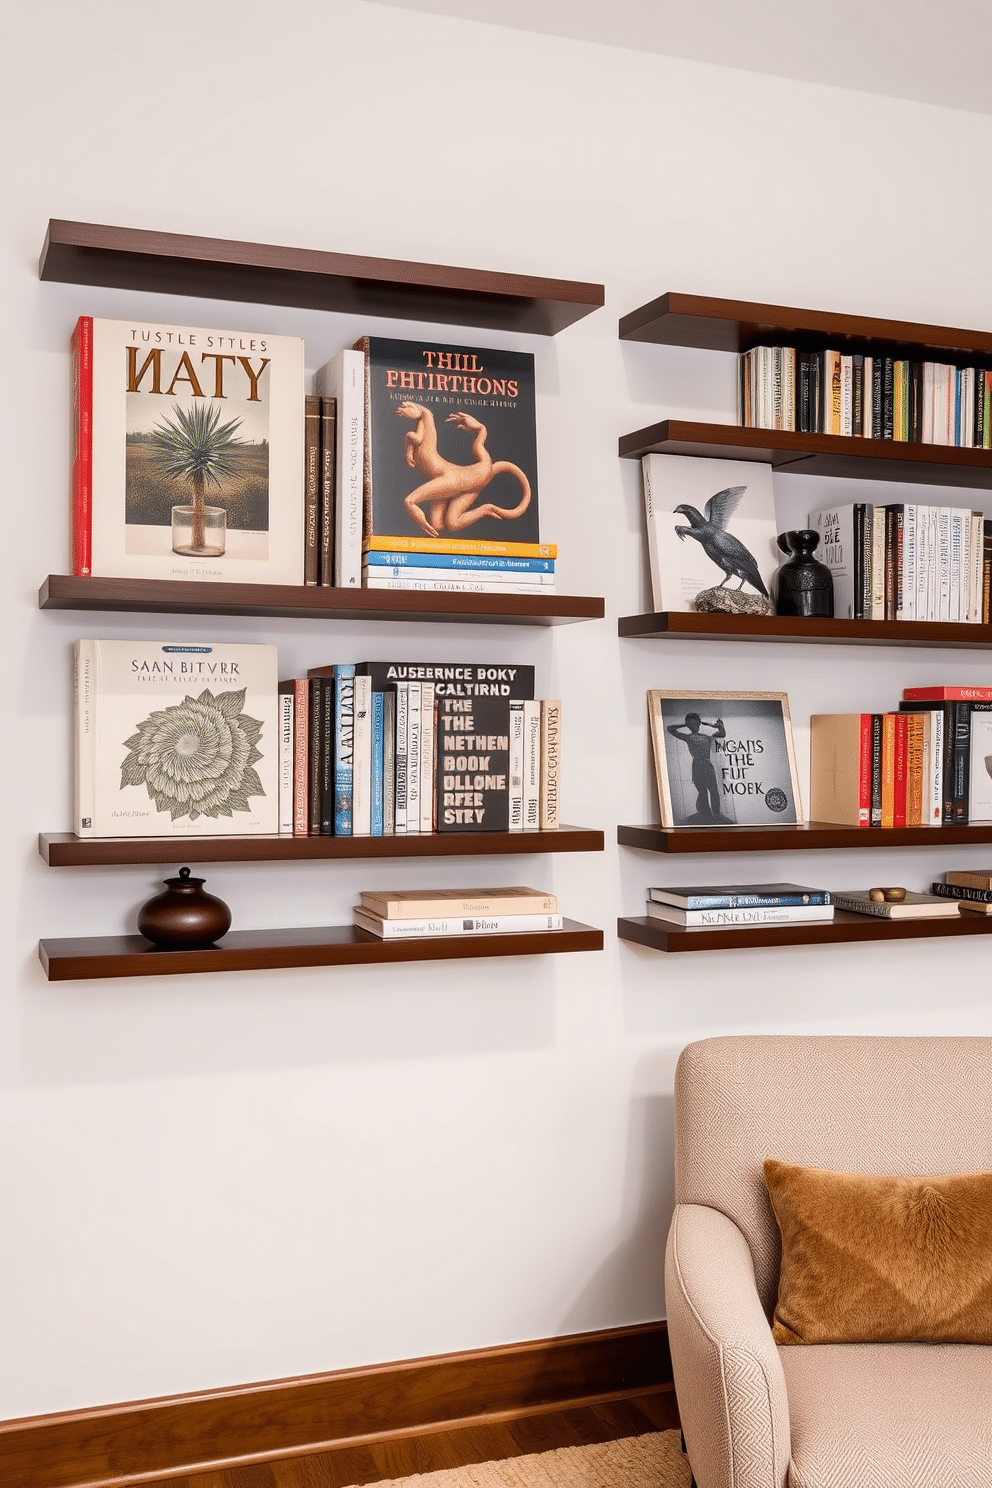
column 633, row 1416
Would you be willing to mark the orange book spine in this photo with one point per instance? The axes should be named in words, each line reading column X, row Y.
column 888, row 768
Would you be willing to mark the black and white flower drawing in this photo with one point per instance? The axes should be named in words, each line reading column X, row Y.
column 196, row 758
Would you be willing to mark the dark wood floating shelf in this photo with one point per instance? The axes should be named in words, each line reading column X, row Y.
column 85, row 958
column 840, row 456
column 812, row 837
column 261, row 274
column 659, row 936
column 287, row 602
column 735, row 325
column 66, row 850
column 688, row 626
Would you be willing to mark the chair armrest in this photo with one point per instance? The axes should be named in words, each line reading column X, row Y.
column 728, row 1375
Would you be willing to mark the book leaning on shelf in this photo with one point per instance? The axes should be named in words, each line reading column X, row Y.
column 416, row 914
column 174, row 739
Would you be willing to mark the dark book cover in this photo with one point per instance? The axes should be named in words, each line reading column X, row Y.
column 892, row 514
column 451, row 441
column 980, row 405
column 311, row 499
column 876, row 770
column 859, row 565
column 916, row 402
column 888, row 397
column 326, row 766
column 315, row 757
column 815, row 379
column 803, row 422
column 453, row 679
column 328, row 471
column 473, row 764
column 858, row 396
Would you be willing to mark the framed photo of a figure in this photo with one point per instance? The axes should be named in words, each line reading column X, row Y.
column 724, row 759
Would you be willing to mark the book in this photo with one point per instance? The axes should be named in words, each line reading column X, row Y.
column 947, row 694
column 913, row 907
column 970, row 878
column 416, row 904
column 313, row 478
column 840, row 776
column 709, row 523
column 976, row 901
column 739, row 896
column 516, row 766
column 286, row 760
column 191, row 441
column 532, row 765
column 81, row 458
column 473, row 760
column 549, row 816
column 343, row 379
column 175, row 739
column 377, row 765
column 388, row 761
column 387, row 543
column 840, row 529
column 980, row 766
column 328, row 485
column 455, row 679
column 511, row 924
column 361, row 787
column 472, row 564
column 406, row 582
column 319, row 736
column 755, row 914
column 401, row 758
column 414, row 765
column 344, row 747
column 451, row 440
column 298, row 688
column 428, row 756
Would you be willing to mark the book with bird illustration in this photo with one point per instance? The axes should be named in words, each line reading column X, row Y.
column 710, row 525
column 190, row 453
column 450, row 442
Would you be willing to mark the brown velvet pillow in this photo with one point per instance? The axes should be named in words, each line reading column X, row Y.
column 870, row 1259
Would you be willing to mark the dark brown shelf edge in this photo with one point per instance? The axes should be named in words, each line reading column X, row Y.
column 814, row 836
column 658, row 936
column 262, row 273
column 85, row 958
column 689, row 626
column 287, row 602
column 715, row 324
column 66, row 850
column 835, row 455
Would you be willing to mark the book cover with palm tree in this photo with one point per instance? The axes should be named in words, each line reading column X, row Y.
column 197, row 454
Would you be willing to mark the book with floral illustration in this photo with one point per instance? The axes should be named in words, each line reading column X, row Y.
column 175, row 739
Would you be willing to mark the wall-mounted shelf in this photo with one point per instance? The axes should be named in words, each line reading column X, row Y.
column 812, row 837
column 840, row 456
column 84, row 958
column 66, row 850
column 262, row 274
column 287, row 602
column 660, row 936
column 689, row 626
column 736, row 325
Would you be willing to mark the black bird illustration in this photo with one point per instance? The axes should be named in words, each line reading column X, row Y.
column 725, row 550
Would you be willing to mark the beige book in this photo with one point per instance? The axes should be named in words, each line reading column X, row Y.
column 550, row 764
column 840, row 768
column 412, row 904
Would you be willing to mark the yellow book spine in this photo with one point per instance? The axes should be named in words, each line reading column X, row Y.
column 408, row 544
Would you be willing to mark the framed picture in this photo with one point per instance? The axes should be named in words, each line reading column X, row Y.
column 724, row 759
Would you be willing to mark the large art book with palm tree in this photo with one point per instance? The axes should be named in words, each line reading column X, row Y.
column 175, row 739
column 188, row 453
column 710, row 525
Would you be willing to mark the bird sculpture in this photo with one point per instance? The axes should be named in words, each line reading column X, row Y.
column 719, row 545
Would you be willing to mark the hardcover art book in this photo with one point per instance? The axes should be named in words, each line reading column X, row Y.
column 450, row 442
column 188, row 453
column 175, row 739
column 710, row 524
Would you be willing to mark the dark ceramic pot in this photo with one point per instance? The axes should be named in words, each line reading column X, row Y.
column 184, row 917
column 805, row 585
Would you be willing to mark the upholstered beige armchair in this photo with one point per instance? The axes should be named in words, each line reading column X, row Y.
column 820, row 1415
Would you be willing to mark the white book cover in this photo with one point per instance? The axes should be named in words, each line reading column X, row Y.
column 747, row 915
column 287, row 745
column 910, row 562
column 977, row 538
column 711, row 524
column 957, row 563
column 933, row 768
column 516, row 766
column 456, row 925
column 866, row 399
column 361, row 777
column 532, row 764
column 343, row 378
column 835, row 524
column 789, row 388
column 924, row 557
column 778, row 387
column 413, row 737
column 878, row 563
column 427, row 756
column 177, row 739
column 457, row 586
column 197, row 454
column 933, row 572
column 967, row 429
column 928, row 403
column 980, row 789
column 402, row 758
column 943, row 563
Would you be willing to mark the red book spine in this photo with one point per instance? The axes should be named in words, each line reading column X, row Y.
column 947, row 694
column 901, row 771
column 864, row 773
column 82, row 446
column 301, row 771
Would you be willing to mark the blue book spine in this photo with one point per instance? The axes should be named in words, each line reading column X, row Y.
column 344, row 746
column 460, row 560
column 378, row 739
column 748, row 901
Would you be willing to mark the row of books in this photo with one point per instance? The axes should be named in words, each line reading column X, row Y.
column 929, row 764
column 199, row 454
column 867, row 397
column 418, row 914
column 395, row 748
column 907, row 561
column 723, row 906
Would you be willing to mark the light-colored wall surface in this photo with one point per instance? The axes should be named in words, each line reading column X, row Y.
column 239, row 1177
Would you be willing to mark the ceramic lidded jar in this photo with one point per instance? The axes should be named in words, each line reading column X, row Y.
column 805, row 585
column 184, row 917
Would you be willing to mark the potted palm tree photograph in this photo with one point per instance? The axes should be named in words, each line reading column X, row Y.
column 194, row 448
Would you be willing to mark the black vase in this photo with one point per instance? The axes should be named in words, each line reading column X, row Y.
column 184, row 918
column 805, row 585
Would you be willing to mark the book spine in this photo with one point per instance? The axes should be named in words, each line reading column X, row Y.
column 344, row 747
column 82, row 447
column 739, row 901
column 858, row 561
column 867, row 430
column 888, row 768
column 315, row 762
column 402, row 756
column 888, row 397
column 428, row 757
column 858, row 396
column 311, row 500
column 875, row 794
column 862, row 906
column 878, row 398
column 975, row 586
column 344, row 379
column 986, row 571
column 878, row 563
column 959, row 891
column 286, row 757
column 532, row 764
column 915, row 431
column 430, row 577
column 757, row 915
column 377, row 764
column 473, row 565
column 429, row 906
column 549, row 815
column 486, row 548
column 389, row 762
column 962, row 762
column 325, row 744
column 915, row 735
column 654, row 537
column 891, row 562
column 864, row 771
column 328, row 468
column 361, row 794
column 944, row 563
column 301, row 765
column 458, row 925
column 957, row 566
column 413, row 727
column 908, row 564
column 84, row 762
column 516, row 765
column 900, row 770
column 454, row 586
column 867, row 543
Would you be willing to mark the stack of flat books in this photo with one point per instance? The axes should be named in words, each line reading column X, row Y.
column 411, row 914
column 717, row 905
column 970, row 888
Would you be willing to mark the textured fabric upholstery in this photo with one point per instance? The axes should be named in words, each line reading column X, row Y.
column 818, row 1416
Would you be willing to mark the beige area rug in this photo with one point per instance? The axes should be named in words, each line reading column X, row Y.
column 653, row 1461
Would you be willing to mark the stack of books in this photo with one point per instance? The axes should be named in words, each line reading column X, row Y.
column 972, row 888
column 865, row 396
column 715, row 906
column 414, row 914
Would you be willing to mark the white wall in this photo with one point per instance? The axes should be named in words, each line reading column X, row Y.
column 240, row 1177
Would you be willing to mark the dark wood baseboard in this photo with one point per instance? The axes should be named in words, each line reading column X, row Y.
column 110, row 1446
